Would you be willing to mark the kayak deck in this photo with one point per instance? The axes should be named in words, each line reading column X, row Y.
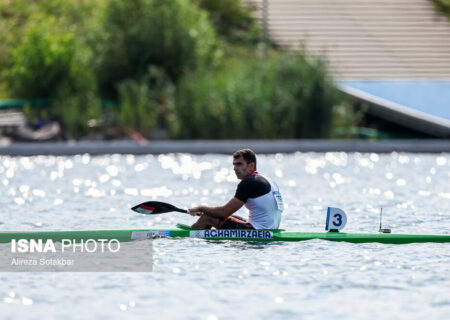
column 239, row 235
column 387, row 238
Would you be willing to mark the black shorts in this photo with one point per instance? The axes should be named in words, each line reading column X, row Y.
column 235, row 222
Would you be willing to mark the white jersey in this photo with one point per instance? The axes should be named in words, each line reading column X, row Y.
column 263, row 199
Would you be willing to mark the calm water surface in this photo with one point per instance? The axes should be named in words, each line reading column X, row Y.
column 197, row 279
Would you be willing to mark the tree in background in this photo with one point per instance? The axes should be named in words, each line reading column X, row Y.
column 147, row 105
column 176, row 36
column 443, row 6
column 48, row 57
column 190, row 68
column 232, row 21
column 145, row 48
column 284, row 96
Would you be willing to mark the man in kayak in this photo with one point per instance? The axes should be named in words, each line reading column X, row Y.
column 259, row 195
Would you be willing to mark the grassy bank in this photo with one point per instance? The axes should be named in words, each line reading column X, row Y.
column 188, row 68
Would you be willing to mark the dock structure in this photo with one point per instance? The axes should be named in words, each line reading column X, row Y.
column 374, row 47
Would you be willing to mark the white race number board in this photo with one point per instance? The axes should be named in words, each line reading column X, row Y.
column 336, row 219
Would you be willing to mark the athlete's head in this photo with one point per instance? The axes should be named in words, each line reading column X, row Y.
column 244, row 163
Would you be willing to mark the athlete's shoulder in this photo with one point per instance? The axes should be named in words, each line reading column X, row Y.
column 252, row 186
column 253, row 179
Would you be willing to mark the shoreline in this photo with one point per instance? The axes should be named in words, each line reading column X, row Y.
column 220, row 146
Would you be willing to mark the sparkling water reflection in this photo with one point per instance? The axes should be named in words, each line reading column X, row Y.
column 194, row 278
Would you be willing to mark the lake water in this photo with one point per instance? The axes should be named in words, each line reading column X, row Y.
column 198, row 279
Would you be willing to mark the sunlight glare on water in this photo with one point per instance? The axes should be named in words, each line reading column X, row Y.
column 198, row 279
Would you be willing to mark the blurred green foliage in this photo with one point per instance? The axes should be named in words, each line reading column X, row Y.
column 443, row 5
column 174, row 35
column 284, row 96
column 232, row 21
column 46, row 57
column 189, row 67
column 146, row 104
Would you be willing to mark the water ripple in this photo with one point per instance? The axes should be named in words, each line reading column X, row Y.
column 196, row 278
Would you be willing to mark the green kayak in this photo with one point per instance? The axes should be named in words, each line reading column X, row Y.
column 182, row 231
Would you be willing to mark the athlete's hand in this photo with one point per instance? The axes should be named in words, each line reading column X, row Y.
column 195, row 211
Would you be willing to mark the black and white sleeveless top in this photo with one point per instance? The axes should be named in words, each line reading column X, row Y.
column 263, row 200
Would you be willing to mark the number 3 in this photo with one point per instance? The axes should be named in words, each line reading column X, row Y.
column 337, row 220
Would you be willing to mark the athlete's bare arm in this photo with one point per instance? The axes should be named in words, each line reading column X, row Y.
column 219, row 212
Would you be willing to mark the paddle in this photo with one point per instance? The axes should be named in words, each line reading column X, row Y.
column 156, row 207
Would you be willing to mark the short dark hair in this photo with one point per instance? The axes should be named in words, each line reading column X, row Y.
column 248, row 155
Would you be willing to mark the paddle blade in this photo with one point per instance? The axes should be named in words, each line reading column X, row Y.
column 155, row 207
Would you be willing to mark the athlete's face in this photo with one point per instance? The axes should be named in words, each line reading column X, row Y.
column 242, row 168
